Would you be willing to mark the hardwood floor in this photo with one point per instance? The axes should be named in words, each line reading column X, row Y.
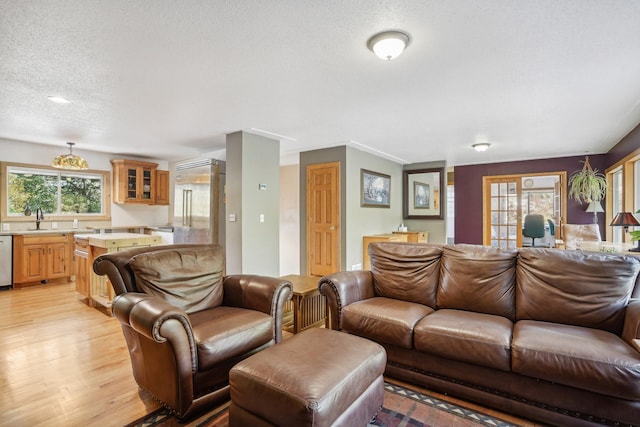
column 63, row 363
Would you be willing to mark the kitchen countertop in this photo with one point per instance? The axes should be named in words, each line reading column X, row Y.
column 111, row 240
column 47, row 231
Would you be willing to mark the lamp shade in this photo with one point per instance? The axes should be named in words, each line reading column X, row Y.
column 594, row 207
column 625, row 219
column 70, row 161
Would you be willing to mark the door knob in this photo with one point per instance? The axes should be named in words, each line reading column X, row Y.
column 332, row 228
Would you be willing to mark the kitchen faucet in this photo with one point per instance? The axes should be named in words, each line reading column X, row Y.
column 39, row 217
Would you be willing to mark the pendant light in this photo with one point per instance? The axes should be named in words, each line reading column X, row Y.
column 70, row 161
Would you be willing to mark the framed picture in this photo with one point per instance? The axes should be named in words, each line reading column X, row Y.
column 375, row 189
column 423, row 194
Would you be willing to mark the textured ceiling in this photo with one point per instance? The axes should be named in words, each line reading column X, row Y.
column 168, row 79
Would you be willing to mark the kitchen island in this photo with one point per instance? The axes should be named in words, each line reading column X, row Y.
column 97, row 289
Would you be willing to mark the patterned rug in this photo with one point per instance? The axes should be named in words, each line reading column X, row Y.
column 402, row 407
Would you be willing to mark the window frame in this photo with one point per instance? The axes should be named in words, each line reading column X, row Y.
column 627, row 164
column 4, row 201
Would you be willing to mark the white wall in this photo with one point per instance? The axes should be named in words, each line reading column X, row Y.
column 290, row 219
column 121, row 215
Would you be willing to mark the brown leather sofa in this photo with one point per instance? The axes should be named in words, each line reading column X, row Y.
column 186, row 323
column 546, row 334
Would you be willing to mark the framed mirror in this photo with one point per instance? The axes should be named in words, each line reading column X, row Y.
column 423, row 193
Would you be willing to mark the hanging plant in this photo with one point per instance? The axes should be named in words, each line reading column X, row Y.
column 587, row 185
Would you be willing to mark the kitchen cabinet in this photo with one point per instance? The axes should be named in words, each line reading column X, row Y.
column 99, row 290
column 41, row 257
column 162, row 187
column 139, row 182
column 81, row 265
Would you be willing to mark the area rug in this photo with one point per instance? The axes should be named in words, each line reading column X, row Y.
column 402, row 407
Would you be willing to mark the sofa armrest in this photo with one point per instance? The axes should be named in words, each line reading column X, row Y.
column 344, row 288
column 631, row 330
column 157, row 320
column 261, row 293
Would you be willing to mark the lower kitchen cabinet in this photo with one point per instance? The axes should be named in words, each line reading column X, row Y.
column 37, row 258
column 82, row 265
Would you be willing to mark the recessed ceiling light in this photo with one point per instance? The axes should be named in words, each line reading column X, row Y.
column 58, row 100
column 388, row 44
column 481, row 146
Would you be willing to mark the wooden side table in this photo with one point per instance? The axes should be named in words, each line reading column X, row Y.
column 308, row 307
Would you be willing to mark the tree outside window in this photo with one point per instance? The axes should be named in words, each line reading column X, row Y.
column 56, row 193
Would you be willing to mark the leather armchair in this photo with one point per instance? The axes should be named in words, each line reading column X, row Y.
column 186, row 323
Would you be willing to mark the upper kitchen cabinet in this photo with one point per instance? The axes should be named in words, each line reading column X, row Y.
column 137, row 182
column 162, row 187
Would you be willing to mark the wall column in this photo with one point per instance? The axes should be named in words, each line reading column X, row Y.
column 253, row 204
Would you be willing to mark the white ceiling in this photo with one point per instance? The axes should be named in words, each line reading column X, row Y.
column 168, row 79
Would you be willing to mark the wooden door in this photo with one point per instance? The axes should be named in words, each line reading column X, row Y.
column 323, row 219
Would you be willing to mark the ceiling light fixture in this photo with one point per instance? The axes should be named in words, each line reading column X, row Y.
column 70, row 161
column 481, row 146
column 58, row 100
column 389, row 44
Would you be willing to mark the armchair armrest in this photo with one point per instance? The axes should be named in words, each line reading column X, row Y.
column 631, row 330
column 344, row 288
column 157, row 320
column 261, row 293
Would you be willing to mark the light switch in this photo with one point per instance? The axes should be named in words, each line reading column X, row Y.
column 261, row 217
column 232, row 217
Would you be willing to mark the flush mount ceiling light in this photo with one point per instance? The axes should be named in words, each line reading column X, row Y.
column 70, row 161
column 58, row 99
column 388, row 44
column 481, row 146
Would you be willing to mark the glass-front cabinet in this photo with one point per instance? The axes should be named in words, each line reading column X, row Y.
column 134, row 181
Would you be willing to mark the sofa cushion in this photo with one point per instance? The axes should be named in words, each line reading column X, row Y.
column 384, row 320
column 578, row 288
column 478, row 338
column 190, row 279
column 586, row 358
column 478, row 278
column 406, row 271
column 224, row 332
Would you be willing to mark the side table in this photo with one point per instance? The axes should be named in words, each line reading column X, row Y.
column 308, row 306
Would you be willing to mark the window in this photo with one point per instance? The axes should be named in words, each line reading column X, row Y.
column 623, row 194
column 617, row 201
column 59, row 193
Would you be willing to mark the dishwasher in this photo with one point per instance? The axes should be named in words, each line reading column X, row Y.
column 6, row 264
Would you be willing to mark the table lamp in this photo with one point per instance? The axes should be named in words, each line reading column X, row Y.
column 626, row 220
column 595, row 207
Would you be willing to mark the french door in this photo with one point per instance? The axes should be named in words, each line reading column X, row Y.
column 504, row 205
column 502, row 219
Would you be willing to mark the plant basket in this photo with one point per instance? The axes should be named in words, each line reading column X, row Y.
column 587, row 185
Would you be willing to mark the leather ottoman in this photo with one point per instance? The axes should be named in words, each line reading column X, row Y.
column 319, row 377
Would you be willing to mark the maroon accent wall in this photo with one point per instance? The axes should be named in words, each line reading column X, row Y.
column 468, row 191
column 628, row 144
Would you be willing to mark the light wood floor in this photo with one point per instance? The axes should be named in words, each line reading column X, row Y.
column 63, row 363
